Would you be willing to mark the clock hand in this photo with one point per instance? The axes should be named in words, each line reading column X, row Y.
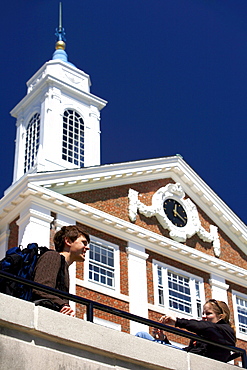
column 177, row 214
column 175, row 210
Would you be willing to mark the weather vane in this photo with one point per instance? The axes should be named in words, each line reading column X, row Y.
column 60, row 32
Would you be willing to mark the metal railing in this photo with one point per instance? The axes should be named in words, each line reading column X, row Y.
column 91, row 305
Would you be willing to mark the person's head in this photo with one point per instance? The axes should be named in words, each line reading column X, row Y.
column 214, row 311
column 68, row 233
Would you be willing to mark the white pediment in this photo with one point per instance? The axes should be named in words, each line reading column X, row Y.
column 105, row 176
column 29, row 193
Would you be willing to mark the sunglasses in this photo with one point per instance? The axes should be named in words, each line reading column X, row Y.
column 216, row 303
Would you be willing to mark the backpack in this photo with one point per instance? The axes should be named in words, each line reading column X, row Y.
column 20, row 262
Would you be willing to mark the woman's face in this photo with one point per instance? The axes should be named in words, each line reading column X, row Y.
column 209, row 314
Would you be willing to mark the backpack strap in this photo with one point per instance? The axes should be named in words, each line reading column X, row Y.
column 61, row 274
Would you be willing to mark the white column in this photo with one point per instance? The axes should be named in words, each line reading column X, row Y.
column 19, row 149
column 92, row 138
column 4, row 241
column 137, row 285
column 34, row 226
column 219, row 288
column 63, row 220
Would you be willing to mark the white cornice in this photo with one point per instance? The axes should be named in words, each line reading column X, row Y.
column 45, row 80
column 120, row 228
column 104, row 176
column 57, row 62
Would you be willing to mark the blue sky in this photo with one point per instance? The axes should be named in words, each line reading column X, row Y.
column 174, row 73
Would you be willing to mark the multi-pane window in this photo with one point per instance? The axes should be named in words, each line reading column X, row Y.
column 101, row 264
column 198, row 299
column 183, row 292
column 242, row 314
column 160, row 286
column 179, row 292
column 73, row 138
column 32, row 141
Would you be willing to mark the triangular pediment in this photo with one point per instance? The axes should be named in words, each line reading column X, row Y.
column 155, row 174
column 99, row 198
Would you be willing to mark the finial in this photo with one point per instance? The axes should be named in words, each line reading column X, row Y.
column 60, row 52
column 60, row 33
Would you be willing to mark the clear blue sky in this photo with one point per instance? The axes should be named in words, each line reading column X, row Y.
column 174, row 73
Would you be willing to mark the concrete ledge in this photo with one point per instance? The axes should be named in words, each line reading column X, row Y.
column 35, row 337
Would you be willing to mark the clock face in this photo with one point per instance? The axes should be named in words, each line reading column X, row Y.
column 175, row 212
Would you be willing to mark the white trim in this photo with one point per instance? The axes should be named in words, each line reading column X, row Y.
column 106, row 323
column 104, row 289
column 235, row 312
column 106, row 176
column 192, row 278
column 218, row 288
column 12, row 204
column 135, row 252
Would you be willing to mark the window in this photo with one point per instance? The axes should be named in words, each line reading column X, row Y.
column 32, row 142
column 101, row 264
column 184, row 290
column 102, row 267
column 73, row 138
column 240, row 312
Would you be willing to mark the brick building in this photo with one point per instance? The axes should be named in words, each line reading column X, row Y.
column 161, row 240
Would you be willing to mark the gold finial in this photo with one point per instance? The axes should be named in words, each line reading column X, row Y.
column 60, row 45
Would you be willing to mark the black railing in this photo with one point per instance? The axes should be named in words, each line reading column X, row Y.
column 91, row 305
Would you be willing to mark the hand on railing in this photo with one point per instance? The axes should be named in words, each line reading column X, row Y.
column 168, row 320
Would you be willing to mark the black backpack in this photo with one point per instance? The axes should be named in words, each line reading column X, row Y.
column 20, row 263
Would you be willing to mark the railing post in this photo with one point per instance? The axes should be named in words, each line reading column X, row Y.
column 90, row 312
column 244, row 360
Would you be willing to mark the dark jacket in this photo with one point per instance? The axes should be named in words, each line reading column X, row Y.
column 51, row 270
column 219, row 332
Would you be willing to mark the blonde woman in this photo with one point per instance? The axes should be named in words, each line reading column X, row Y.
column 215, row 325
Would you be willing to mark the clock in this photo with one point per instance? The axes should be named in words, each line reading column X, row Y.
column 175, row 212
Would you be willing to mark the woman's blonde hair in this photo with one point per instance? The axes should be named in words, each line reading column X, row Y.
column 220, row 308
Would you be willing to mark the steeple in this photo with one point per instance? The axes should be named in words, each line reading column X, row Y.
column 60, row 46
column 58, row 121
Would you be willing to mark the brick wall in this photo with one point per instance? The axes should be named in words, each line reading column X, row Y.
column 104, row 299
column 13, row 234
column 115, row 202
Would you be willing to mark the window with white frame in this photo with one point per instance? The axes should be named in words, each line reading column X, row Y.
column 103, row 263
column 73, row 138
column 32, row 142
column 240, row 312
column 178, row 290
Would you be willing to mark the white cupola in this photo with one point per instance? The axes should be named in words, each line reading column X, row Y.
column 58, row 121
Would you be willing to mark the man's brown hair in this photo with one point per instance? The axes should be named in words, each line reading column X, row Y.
column 71, row 232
